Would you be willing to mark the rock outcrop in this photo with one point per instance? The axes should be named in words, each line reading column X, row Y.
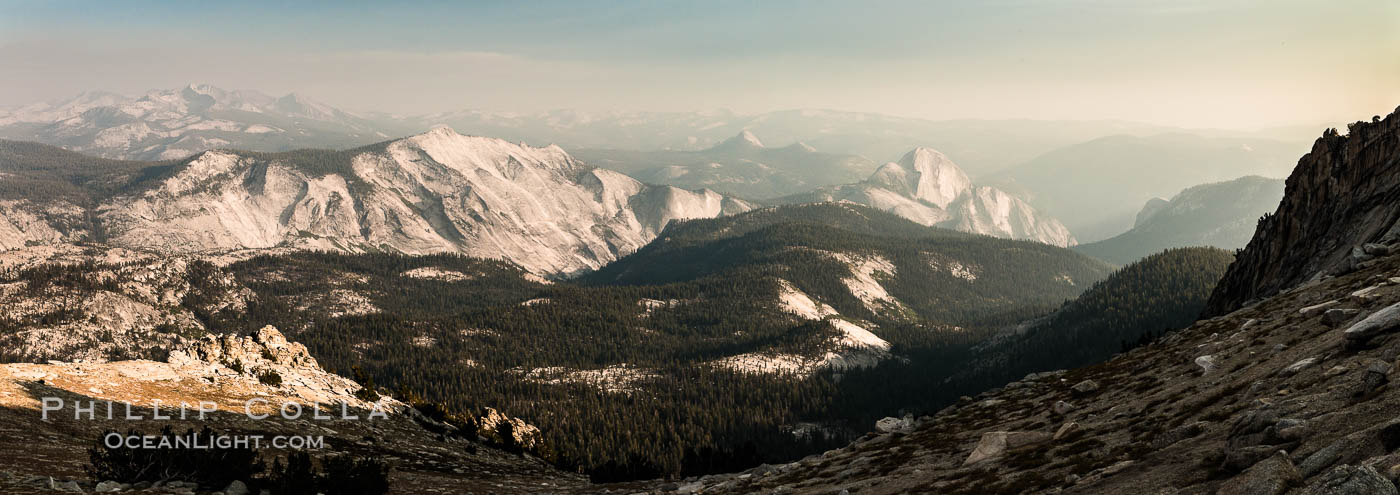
column 1343, row 195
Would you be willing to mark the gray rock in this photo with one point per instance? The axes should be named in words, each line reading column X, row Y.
column 1085, row 387
column 994, row 444
column 236, row 488
column 1301, row 365
column 891, row 425
column 1321, row 459
column 1358, row 255
column 1375, row 249
column 1272, row 476
column 1065, row 431
column 69, row 486
column 1351, row 480
column 1334, row 317
column 1383, row 321
column 1208, row 363
column 1317, row 309
column 1377, row 375
column 107, row 486
column 1180, row 433
column 1062, row 408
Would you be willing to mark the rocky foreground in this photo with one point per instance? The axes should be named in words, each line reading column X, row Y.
column 427, row 456
column 1291, row 395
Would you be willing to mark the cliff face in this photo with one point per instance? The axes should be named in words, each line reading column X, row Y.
column 1342, row 196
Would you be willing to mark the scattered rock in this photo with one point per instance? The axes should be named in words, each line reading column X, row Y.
column 1301, row 365
column 1180, row 433
column 107, row 486
column 1317, row 309
column 1062, row 408
column 1334, row 317
column 994, row 444
column 1377, row 375
column 1085, row 387
column 1035, row 377
column 1272, row 476
column 236, row 488
column 1383, row 321
column 1364, row 295
column 1065, row 430
column 1351, row 480
column 1207, row 364
column 1375, row 249
column 890, row 425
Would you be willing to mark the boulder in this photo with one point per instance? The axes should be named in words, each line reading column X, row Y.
column 1383, row 321
column 1377, row 375
column 1351, row 480
column 1065, row 431
column 1062, row 408
column 891, row 425
column 1207, row 363
column 1085, row 387
column 1364, row 295
column 1317, row 309
column 1301, row 365
column 995, row 444
column 1272, row 476
column 1375, row 249
column 1338, row 316
column 107, row 487
column 236, row 488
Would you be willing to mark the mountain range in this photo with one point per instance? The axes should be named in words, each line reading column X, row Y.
column 1221, row 214
column 174, row 123
column 436, row 192
column 741, row 166
column 1097, row 187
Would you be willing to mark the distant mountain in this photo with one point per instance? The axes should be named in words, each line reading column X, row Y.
column 175, row 123
column 741, row 166
column 436, row 192
column 1222, row 215
column 170, row 124
column 1097, row 187
column 927, row 187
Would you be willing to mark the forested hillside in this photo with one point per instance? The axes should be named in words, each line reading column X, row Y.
column 1134, row 306
column 935, row 274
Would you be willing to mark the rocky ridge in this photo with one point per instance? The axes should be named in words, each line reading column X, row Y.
column 1340, row 201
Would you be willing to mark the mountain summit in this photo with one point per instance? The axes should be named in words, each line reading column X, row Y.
column 744, row 141
column 927, row 187
column 926, row 175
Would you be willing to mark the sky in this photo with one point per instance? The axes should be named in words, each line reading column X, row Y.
column 1220, row 63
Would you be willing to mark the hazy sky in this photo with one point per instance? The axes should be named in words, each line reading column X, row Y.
column 1215, row 63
